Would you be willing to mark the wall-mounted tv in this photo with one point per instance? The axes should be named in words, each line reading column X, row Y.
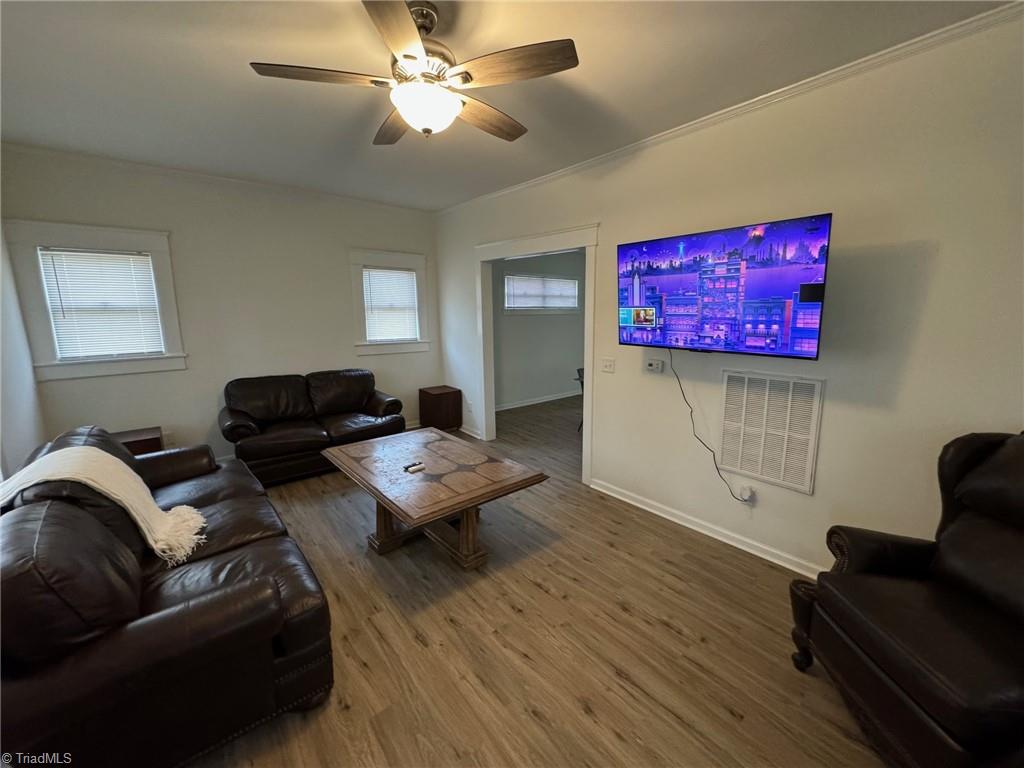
column 753, row 290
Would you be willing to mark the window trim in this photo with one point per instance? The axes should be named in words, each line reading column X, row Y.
column 410, row 262
column 24, row 238
column 540, row 310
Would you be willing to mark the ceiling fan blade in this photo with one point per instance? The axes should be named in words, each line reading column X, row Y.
column 317, row 75
column 523, row 63
column 491, row 120
column 395, row 25
column 391, row 130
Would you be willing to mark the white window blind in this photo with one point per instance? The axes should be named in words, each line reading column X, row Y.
column 389, row 300
column 102, row 304
column 532, row 292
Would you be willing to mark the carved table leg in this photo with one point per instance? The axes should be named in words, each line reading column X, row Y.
column 390, row 534
column 461, row 541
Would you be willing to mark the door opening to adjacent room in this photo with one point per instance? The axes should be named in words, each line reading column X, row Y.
column 538, row 325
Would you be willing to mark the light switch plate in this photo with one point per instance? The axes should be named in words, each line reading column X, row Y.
column 608, row 365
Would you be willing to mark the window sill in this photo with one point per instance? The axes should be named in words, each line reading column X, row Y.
column 85, row 369
column 541, row 311
column 391, row 347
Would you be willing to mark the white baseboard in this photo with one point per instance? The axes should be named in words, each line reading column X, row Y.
column 471, row 432
column 412, row 425
column 771, row 554
column 536, row 400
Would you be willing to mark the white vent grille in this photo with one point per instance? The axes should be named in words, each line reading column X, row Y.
column 770, row 427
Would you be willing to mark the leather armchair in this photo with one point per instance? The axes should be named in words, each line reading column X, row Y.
column 924, row 638
column 858, row 550
column 280, row 424
column 124, row 649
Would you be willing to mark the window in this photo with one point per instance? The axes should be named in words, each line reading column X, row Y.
column 390, row 305
column 389, row 291
column 99, row 301
column 541, row 293
column 101, row 304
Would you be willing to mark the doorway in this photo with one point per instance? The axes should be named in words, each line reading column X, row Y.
column 581, row 240
column 538, row 305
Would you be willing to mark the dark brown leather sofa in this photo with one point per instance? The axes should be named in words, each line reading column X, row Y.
column 116, row 659
column 925, row 639
column 279, row 424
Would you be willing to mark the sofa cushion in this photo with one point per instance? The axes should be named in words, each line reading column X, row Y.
column 342, row 391
column 955, row 656
column 231, row 480
column 995, row 488
column 230, row 524
column 352, row 427
column 306, row 614
column 96, row 437
column 283, row 439
column 106, row 511
column 270, row 398
column 986, row 556
column 65, row 580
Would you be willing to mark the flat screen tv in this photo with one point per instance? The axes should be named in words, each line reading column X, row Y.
column 753, row 290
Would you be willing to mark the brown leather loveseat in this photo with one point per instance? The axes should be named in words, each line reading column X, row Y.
column 925, row 639
column 114, row 658
column 279, row 424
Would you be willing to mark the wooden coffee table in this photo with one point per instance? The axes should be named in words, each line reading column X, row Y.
column 443, row 501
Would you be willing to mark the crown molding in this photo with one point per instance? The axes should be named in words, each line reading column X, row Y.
column 1001, row 15
column 38, row 150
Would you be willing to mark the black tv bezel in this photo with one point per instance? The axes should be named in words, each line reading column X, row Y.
column 824, row 282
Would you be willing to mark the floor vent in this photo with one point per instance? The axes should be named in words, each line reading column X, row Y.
column 770, row 427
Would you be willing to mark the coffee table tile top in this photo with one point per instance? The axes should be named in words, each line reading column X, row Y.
column 457, row 475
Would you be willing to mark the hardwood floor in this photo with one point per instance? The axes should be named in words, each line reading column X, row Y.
column 596, row 635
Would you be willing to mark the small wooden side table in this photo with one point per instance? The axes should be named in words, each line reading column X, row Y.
column 441, row 407
column 140, row 441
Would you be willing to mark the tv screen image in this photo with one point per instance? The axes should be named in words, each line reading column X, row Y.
column 755, row 290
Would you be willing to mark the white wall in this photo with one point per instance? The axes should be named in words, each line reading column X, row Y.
column 920, row 160
column 262, row 280
column 536, row 354
column 21, row 419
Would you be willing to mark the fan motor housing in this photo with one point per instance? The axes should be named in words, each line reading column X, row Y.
column 424, row 13
column 439, row 60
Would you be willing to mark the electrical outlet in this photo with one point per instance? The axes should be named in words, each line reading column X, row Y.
column 169, row 440
column 607, row 365
column 654, row 365
column 746, row 493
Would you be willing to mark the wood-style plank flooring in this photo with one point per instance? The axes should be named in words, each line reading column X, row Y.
column 596, row 635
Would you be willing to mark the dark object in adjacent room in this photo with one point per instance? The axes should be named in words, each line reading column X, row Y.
column 441, row 407
column 925, row 639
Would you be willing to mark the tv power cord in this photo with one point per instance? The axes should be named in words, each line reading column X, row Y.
column 693, row 427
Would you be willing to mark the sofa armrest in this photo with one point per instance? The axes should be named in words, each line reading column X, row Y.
column 176, row 464
column 382, row 404
column 150, row 653
column 858, row 550
column 235, row 425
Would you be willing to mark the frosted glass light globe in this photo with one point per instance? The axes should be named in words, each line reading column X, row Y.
column 426, row 107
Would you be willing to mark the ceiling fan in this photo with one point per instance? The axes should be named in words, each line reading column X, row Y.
column 427, row 85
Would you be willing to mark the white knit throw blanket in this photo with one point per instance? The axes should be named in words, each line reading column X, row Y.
column 173, row 535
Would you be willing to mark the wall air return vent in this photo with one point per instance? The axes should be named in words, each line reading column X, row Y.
column 770, row 427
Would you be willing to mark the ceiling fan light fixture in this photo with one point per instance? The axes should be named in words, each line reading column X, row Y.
column 426, row 107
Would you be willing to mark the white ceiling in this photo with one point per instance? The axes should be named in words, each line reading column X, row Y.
column 168, row 83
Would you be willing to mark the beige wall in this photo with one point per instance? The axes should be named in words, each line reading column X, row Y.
column 21, row 418
column 262, row 280
column 920, row 160
column 536, row 354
